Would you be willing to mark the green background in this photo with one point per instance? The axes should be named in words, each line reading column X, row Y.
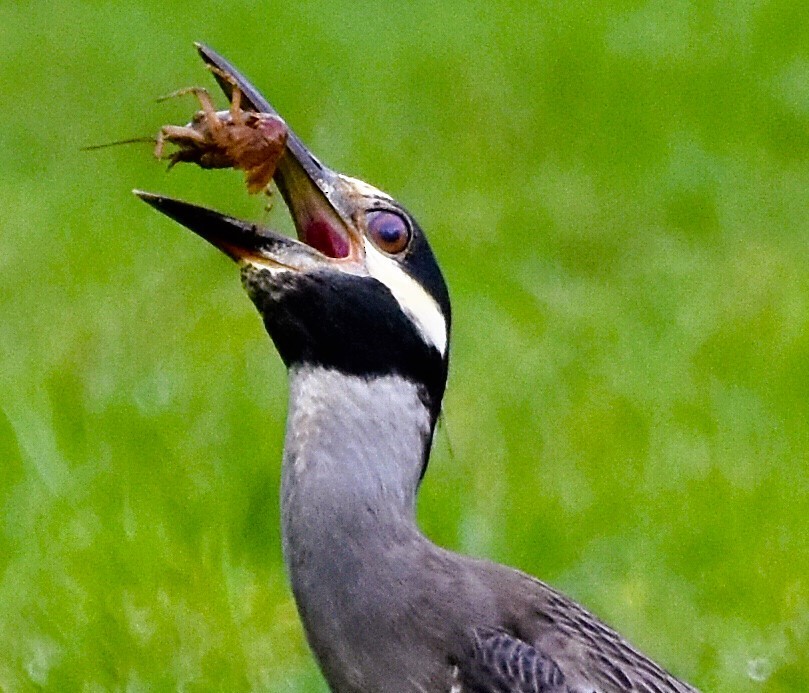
column 618, row 194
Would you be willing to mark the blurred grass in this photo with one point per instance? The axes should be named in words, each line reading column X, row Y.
column 617, row 193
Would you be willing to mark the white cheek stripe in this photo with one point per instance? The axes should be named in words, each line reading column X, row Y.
column 417, row 304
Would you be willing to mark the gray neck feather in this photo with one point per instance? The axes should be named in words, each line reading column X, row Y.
column 352, row 458
column 354, row 449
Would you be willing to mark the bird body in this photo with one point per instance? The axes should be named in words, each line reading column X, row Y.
column 359, row 312
column 385, row 608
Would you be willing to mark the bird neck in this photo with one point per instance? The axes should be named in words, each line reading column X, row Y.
column 353, row 456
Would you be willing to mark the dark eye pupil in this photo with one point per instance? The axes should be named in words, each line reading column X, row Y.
column 388, row 231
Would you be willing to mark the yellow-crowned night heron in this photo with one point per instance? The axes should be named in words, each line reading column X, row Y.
column 359, row 312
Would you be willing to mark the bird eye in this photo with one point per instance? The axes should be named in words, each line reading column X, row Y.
column 389, row 232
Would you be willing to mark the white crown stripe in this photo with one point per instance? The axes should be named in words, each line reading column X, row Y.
column 365, row 189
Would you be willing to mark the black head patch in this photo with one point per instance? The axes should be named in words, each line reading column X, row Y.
column 347, row 322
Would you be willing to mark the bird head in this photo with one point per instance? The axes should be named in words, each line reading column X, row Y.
column 358, row 291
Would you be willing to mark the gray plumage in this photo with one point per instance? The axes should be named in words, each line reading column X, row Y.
column 387, row 610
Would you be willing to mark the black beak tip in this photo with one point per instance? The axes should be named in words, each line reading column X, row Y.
column 232, row 236
column 226, row 75
column 189, row 215
column 176, row 209
column 206, row 52
column 149, row 198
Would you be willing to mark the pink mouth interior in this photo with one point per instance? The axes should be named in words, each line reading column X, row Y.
column 322, row 236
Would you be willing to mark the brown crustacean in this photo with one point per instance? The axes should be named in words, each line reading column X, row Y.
column 245, row 140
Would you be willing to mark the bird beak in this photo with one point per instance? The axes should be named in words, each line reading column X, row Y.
column 322, row 203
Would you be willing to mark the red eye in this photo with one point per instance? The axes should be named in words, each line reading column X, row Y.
column 389, row 232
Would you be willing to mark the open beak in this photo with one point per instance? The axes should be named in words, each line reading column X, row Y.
column 322, row 204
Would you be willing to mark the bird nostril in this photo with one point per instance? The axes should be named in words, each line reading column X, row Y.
column 324, row 237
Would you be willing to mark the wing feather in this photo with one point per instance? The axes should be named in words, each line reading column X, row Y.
column 501, row 663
